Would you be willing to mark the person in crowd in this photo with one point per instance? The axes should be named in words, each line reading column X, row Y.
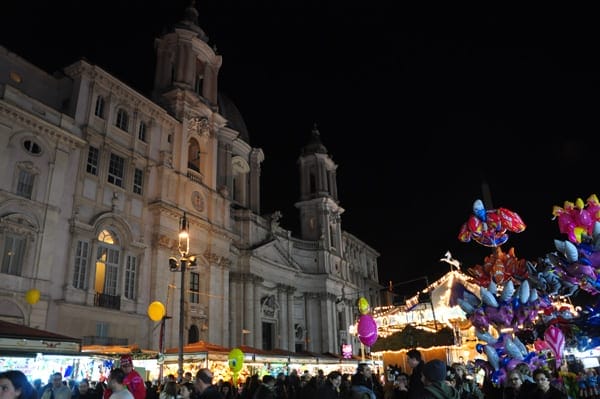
column 187, row 391
column 467, row 388
column 227, row 390
column 293, row 384
column 361, row 383
column 516, row 387
column 266, row 390
column 250, row 386
column 415, row 383
column 331, row 387
column 281, row 389
column 525, row 371
column 544, row 389
column 151, row 390
column 169, row 391
column 39, row 388
column 15, row 385
column 345, row 386
column 187, row 377
column 84, row 391
column 204, row 385
column 133, row 380
column 57, row 390
column 399, row 388
column 116, row 385
column 434, row 381
column 308, row 387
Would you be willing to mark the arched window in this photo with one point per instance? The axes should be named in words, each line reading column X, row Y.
column 107, row 263
column 193, row 334
column 194, row 155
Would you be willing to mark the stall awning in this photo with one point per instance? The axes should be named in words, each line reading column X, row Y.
column 116, row 351
column 23, row 340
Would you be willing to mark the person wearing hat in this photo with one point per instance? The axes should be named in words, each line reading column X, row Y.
column 133, row 380
column 434, row 380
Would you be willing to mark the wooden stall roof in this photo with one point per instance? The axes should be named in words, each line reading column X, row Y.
column 18, row 338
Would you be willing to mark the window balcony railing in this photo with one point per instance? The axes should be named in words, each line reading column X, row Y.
column 107, row 301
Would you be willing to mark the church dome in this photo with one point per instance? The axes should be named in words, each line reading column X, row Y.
column 234, row 118
column 314, row 145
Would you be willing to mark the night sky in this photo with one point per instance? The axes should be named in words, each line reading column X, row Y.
column 417, row 107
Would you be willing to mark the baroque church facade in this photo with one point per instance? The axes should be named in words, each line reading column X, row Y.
column 97, row 180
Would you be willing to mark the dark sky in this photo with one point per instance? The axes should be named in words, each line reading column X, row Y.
column 417, row 107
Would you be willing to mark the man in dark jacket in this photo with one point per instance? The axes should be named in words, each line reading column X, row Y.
column 266, row 390
column 415, row 383
column 331, row 387
column 434, row 379
column 204, row 385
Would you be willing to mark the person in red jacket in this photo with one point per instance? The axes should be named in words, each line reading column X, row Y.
column 133, row 380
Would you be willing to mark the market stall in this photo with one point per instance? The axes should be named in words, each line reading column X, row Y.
column 36, row 352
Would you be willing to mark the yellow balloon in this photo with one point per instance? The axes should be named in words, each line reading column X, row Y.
column 156, row 311
column 236, row 359
column 363, row 305
column 32, row 296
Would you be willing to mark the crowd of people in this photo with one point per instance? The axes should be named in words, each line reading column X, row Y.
column 433, row 379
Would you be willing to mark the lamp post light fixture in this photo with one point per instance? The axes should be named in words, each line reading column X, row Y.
column 185, row 262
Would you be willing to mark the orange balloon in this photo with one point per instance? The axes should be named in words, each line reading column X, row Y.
column 156, row 311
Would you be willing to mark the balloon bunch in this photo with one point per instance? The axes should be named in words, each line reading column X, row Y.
column 512, row 308
column 490, row 227
column 367, row 326
column 504, row 354
column 499, row 267
column 578, row 218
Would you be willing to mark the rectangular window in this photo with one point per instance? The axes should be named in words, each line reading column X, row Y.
column 25, row 184
column 122, row 120
column 99, row 111
column 115, row 170
column 81, row 260
column 142, row 132
column 194, row 287
column 12, row 254
column 130, row 272
column 138, row 181
column 92, row 161
column 101, row 329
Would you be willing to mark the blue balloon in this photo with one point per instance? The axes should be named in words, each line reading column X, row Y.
column 479, row 348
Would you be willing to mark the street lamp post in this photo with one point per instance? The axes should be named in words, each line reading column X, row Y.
column 185, row 262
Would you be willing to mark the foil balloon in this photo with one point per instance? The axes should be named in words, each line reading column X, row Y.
column 156, row 311
column 32, row 296
column 492, row 356
column 367, row 330
column 363, row 305
column 555, row 339
column 236, row 359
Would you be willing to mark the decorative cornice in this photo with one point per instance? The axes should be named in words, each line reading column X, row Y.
column 34, row 123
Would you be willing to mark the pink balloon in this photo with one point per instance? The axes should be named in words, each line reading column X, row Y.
column 367, row 329
column 555, row 339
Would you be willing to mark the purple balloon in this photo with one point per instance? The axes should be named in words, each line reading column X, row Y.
column 366, row 325
column 367, row 329
column 369, row 340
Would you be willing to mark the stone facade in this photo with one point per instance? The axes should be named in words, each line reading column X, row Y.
column 97, row 179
